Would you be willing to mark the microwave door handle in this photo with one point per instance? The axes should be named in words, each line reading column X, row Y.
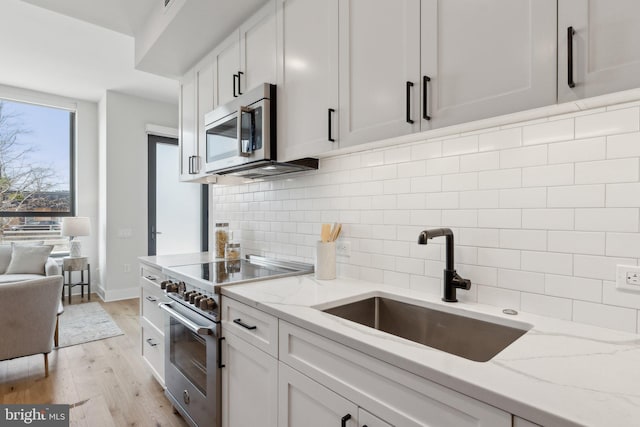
column 245, row 150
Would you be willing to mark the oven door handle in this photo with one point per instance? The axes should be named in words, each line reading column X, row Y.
column 193, row 327
column 245, row 146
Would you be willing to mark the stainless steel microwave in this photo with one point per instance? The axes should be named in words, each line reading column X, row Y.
column 242, row 132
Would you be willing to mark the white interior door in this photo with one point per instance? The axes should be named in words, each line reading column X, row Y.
column 178, row 206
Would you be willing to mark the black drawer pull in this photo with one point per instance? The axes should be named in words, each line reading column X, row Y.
column 239, row 84
column 151, row 343
column 244, row 325
column 570, row 34
column 329, row 137
column 235, row 76
column 220, row 364
column 150, row 277
column 409, row 86
column 152, row 299
column 345, row 419
column 425, row 96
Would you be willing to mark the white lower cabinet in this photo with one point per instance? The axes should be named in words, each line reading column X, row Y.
column 249, row 384
column 152, row 320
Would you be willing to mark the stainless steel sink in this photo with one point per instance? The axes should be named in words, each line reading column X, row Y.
column 471, row 338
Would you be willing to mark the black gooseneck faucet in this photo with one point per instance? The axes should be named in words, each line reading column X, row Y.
column 451, row 279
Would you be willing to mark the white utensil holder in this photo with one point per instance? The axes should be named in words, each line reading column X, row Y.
column 325, row 260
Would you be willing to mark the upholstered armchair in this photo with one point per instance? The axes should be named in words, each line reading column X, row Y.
column 28, row 316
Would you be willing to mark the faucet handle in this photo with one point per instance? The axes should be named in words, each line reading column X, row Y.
column 460, row 283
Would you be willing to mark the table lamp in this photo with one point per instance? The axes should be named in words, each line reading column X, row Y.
column 73, row 227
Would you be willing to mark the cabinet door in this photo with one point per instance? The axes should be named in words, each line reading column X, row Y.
column 187, row 126
column 606, row 53
column 249, row 385
column 379, row 69
column 304, row 402
column 204, row 81
column 366, row 419
column 308, row 82
column 227, row 59
column 487, row 58
column 258, row 38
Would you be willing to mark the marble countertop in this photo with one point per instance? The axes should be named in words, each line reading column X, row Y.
column 558, row 374
column 165, row 261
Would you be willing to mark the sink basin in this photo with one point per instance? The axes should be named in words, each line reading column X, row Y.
column 468, row 337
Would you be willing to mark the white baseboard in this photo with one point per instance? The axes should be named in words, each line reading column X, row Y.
column 119, row 294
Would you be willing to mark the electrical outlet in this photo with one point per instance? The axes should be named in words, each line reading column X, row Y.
column 127, row 268
column 343, row 249
column 628, row 277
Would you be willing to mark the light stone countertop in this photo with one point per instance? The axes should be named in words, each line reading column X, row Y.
column 559, row 373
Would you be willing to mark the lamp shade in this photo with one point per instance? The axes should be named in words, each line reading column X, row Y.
column 76, row 226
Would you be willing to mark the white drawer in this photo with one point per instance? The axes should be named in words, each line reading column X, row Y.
column 152, row 274
column 153, row 350
column 252, row 325
column 393, row 394
column 150, row 296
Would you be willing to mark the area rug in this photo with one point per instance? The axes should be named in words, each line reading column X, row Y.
column 86, row 322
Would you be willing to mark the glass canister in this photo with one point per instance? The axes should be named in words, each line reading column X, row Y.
column 232, row 251
column 221, row 238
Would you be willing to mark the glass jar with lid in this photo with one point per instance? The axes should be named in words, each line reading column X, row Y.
column 221, row 237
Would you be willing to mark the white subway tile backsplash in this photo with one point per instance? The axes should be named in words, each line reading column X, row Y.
column 609, row 123
column 523, row 239
column 605, row 171
column 507, row 178
column 463, row 145
column 500, row 218
column 460, row 182
column 578, row 151
column 547, row 176
column 541, row 216
column 443, row 165
column 573, row 287
column 604, row 316
column 607, row 219
column 518, row 280
column 548, row 219
column 598, row 267
column 559, row 308
column 623, row 244
column 503, row 258
column 576, row 196
column 499, row 297
column 624, row 145
column 547, row 262
column 590, row 243
column 522, row 157
column 543, row 133
column 479, row 162
column 500, row 140
column 524, row 198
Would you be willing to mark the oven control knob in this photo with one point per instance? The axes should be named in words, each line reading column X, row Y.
column 211, row 304
column 185, row 397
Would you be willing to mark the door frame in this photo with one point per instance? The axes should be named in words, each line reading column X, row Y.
column 153, row 140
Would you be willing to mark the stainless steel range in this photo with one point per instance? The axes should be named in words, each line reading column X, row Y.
column 192, row 329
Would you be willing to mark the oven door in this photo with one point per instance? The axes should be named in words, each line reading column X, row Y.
column 191, row 372
column 240, row 137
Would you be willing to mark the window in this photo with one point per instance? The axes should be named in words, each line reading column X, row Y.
column 36, row 172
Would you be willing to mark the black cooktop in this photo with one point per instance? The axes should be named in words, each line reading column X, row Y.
column 231, row 271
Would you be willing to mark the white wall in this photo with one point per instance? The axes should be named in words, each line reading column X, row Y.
column 124, row 187
column 86, row 157
column 542, row 212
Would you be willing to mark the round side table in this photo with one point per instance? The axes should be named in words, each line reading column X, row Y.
column 71, row 264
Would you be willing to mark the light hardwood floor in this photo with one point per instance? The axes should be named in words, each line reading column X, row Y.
column 106, row 382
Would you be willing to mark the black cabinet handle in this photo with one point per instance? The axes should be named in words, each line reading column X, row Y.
column 244, row 325
column 330, row 115
column 235, row 89
column 190, row 165
column 570, row 33
column 151, row 343
column 345, row 419
column 425, row 96
column 152, row 299
column 239, row 84
column 409, row 86
column 220, row 365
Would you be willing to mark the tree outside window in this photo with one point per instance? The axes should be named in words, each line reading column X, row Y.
column 36, row 172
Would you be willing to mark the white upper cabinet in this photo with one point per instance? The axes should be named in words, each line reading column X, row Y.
column 605, row 54
column 247, row 58
column 379, row 69
column 205, row 82
column 486, row 58
column 187, row 126
column 308, row 79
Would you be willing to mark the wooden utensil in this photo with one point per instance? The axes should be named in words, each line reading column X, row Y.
column 325, row 233
column 335, row 233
